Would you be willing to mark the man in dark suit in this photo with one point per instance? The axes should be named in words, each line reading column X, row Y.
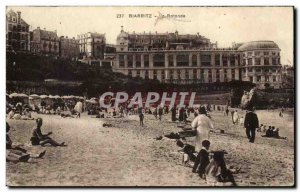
column 251, row 123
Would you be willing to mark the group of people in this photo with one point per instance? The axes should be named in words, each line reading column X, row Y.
column 23, row 115
column 16, row 154
column 270, row 132
column 209, row 165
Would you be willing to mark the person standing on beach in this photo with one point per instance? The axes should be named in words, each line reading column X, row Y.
column 251, row 123
column 203, row 124
column 173, row 111
column 235, row 117
column 141, row 116
column 160, row 113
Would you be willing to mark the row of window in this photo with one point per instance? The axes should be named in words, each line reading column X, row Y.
column 181, row 60
column 259, row 53
column 18, row 28
column 259, row 79
column 184, row 75
column 258, row 61
column 262, row 70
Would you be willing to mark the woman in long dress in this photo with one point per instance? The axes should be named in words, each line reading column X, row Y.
column 203, row 125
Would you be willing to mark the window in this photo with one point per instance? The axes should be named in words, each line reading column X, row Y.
column 171, row 74
column 129, row 73
column 170, row 60
column 274, row 61
column 250, row 61
column 257, row 53
column 146, row 60
column 146, row 74
column 14, row 19
column 250, row 70
column 194, row 73
column 249, row 53
column 266, row 78
column 232, row 60
column 178, row 74
column 258, row 78
column 194, row 60
column 251, row 79
column 266, row 53
column 266, row 61
column 138, row 60
column 121, row 60
column 138, row 73
column 224, row 60
column 205, row 59
column 154, row 74
column 130, row 60
column 217, row 59
column 257, row 61
column 244, row 61
column 186, row 76
column 273, row 53
column 159, row 60
column 182, row 59
column 274, row 78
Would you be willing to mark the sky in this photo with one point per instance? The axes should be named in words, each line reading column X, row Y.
column 224, row 25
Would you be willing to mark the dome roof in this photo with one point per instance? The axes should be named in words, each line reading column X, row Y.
column 253, row 45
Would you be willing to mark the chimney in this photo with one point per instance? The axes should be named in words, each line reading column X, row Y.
column 38, row 28
column 19, row 17
column 44, row 28
column 122, row 30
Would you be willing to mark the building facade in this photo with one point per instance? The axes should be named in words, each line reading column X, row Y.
column 68, row 47
column 91, row 45
column 17, row 32
column 45, row 42
column 188, row 59
column 288, row 77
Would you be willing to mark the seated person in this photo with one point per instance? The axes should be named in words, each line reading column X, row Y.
column 16, row 154
column 202, row 159
column 11, row 113
column 276, row 134
column 58, row 110
column 39, row 139
column 17, row 116
column 26, row 115
column 189, row 153
column 217, row 173
column 260, row 128
column 269, row 132
column 264, row 129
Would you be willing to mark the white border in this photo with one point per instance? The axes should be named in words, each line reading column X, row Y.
column 5, row 3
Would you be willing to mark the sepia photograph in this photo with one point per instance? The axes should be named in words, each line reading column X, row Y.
column 158, row 96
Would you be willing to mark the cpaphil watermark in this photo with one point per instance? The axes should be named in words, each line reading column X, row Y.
column 180, row 99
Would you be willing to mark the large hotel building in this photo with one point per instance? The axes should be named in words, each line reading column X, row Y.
column 188, row 59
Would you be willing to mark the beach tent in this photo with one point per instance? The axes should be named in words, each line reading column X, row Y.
column 19, row 97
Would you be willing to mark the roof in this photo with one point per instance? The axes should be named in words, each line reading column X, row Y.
column 48, row 34
column 11, row 14
column 254, row 45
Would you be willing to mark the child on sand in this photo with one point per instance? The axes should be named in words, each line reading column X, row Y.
column 202, row 160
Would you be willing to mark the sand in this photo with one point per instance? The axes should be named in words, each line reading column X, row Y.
column 128, row 155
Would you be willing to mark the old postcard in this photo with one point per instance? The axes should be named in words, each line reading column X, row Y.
column 150, row 96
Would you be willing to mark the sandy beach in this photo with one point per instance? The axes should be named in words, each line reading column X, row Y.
column 129, row 155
